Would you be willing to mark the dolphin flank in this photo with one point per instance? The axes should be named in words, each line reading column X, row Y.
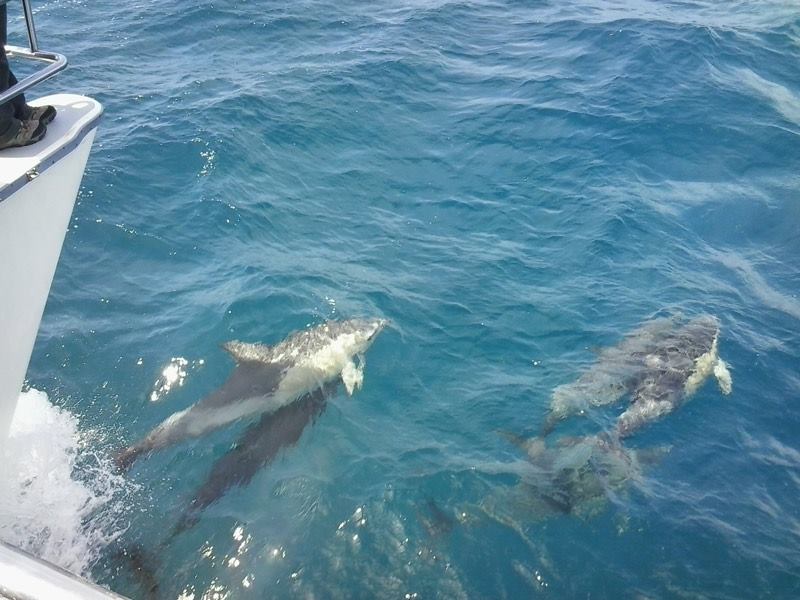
column 268, row 377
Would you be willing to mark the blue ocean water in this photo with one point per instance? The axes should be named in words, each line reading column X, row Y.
column 512, row 184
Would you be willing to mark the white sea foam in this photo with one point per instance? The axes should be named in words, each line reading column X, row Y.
column 58, row 501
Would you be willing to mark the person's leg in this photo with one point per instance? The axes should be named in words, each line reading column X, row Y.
column 8, row 124
column 23, row 112
column 18, row 102
column 14, row 132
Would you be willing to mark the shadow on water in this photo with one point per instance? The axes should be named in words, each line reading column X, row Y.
column 258, row 446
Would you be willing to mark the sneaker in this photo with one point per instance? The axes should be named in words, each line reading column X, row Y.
column 29, row 132
column 43, row 114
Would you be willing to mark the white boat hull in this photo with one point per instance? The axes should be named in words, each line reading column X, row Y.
column 39, row 187
column 26, row 577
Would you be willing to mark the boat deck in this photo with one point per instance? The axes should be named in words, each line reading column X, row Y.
column 77, row 116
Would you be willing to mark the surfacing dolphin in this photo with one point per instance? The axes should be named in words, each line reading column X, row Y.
column 609, row 378
column 268, row 377
column 674, row 370
column 660, row 365
column 257, row 447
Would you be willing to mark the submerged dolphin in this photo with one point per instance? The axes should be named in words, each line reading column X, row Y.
column 257, row 447
column 267, row 378
column 660, row 365
column 579, row 475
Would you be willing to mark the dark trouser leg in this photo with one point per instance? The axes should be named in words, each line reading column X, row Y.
column 18, row 102
column 8, row 124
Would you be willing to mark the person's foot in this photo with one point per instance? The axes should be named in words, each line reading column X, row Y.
column 29, row 132
column 43, row 114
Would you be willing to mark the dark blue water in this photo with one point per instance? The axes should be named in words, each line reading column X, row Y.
column 512, row 184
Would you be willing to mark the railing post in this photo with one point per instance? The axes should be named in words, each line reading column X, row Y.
column 26, row 7
column 56, row 62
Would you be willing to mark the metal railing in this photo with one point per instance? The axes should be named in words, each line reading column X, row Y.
column 55, row 62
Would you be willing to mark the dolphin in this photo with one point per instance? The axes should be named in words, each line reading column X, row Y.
column 257, row 447
column 674, row 370
column 609, row 378
column 579, row 475
column 267, row 378
column 659, row 365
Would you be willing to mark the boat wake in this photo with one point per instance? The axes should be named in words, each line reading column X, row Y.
column 59, row 501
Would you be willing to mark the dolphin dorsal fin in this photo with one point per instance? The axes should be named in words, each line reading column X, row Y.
column 244, row 352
